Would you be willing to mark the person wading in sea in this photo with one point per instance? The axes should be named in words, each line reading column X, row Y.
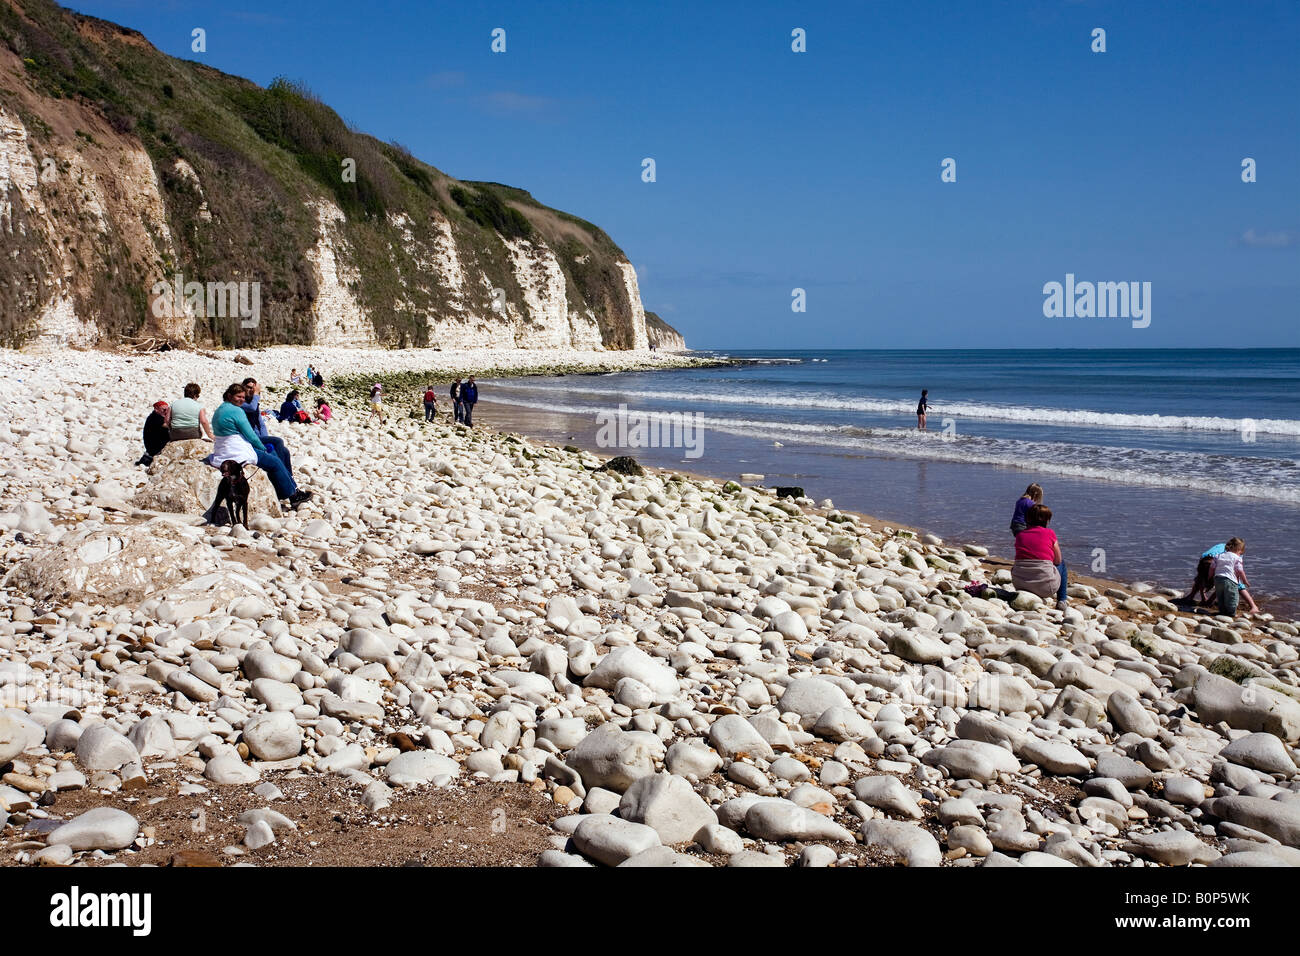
column 922, row 407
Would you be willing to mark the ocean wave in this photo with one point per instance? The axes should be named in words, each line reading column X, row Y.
column 1009, row 413
column 1275, row 479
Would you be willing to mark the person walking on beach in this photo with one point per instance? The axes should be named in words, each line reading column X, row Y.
column 458, row 410
column 468, row 399
column 922, row 408
column 1033, row 496
column 1039, row 567
column 1230, row 581
column 310, row 377
column 430, row 404
column 237, row 441
column 377, row 401
column 189, row 419
column 156, row 432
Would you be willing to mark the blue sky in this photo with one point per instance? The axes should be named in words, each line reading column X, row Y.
column 821, row 170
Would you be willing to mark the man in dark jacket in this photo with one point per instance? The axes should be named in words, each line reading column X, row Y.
column 253, row 409
column 458, row 409
column 469, row 398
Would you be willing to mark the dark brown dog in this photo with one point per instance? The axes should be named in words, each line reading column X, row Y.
column 233, row 491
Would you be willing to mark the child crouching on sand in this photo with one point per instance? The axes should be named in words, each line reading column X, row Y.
column 1230, row 580
column 1033, row 496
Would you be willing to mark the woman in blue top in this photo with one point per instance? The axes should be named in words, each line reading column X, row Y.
column 235, row 440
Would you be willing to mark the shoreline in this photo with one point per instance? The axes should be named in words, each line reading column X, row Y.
column 993, row 562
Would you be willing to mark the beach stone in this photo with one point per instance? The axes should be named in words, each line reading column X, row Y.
column 1260, row 752
column 816, row 855
column 612, row 758
column 1249, row 707
column 558, row 858
column 668, row 804
column 959, row 811
column 1002, row 693
column 179, row 482
column 752, row 858
column 971, row 838
column 633, row 662
column 416, row 767
column 908, row 840
column 1129, row 716
column 1279, row 820
column 122, row 565
column 501, row 728
column 273, row 736
column 962, row 763
column 1079, row 704
column 101, row 748
column 887, row 793
column 1172, row 848
column 717, row 839
column 13, row 737
column 1185, row 791
column 661, row 856
column 609, row 840
column 787, row 768
column 841, row 724
column 564, row 732
column 103, row 828
column 689, row 759
column 264, row 663
column 918, row 646
column 988, row 728
column 810, row 697
column 782, row 820
column 259, row 835
column 227, row 769
column 732, row 735
column 1054, row 757
column 1131, row 774
column 60, row 736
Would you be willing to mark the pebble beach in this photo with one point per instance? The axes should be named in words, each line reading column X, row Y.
column 471, row 648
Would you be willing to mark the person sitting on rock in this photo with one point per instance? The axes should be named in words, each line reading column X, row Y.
column 1039, row 567
column 294, row 377
column 323, row 412
column 252, row 408
column 236, row 441
column 189, row 419
column 292, row 411
column 157, row 432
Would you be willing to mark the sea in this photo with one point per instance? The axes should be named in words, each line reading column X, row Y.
column 1147, row 457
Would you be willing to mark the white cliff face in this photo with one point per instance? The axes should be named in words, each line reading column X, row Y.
column 339, row 318
column 546, row 321
column 111, row 188
column 67, row 200
column 18, row 171
column 639, row 339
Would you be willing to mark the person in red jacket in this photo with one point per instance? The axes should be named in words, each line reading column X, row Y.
column 430, row 404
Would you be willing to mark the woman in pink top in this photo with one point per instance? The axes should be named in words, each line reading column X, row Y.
column 1039, row 567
